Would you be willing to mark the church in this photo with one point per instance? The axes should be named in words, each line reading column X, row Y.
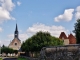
column 15, row 44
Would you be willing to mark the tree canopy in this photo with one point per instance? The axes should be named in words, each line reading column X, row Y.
column 7, row 50
column 77, row 31
column 39, row 40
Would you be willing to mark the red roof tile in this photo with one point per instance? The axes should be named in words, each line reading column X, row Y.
column 63, row 35
column 72, row 39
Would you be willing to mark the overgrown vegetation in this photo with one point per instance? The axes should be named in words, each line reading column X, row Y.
column 7, row 50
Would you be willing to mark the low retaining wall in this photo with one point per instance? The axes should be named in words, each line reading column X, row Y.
column 60, row 52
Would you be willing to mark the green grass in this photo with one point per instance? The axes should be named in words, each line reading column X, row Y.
column 0, row 58
column 21, row 58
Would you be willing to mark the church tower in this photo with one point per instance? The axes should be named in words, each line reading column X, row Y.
column 16, row 32
column 16, row 42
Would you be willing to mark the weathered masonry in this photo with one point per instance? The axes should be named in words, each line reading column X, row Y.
column 67, row 52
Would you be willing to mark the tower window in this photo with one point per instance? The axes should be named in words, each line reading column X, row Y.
column 15, row 43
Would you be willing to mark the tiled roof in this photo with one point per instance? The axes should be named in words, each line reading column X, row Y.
column 72, row 39
column 63, row 35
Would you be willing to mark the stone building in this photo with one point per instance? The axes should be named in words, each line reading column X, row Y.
column 15, row 43
column 67, row 40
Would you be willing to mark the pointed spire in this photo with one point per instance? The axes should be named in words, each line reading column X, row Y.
column 16, row 27
column 16, row 32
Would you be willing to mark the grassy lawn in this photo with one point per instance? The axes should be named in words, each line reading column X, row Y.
column 0, row 58
column 21, row 58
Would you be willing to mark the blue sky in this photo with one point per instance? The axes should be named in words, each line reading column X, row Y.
column 32, row 16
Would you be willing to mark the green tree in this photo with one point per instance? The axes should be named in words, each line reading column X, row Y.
column 7, row 50
column 77, row 31
column 39, row 40
column 15, row 51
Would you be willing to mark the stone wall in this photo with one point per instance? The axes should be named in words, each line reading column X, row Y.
column 69, row 52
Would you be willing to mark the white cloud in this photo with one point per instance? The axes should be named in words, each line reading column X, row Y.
column 18, row 3
column 78, row 9
column 77, row 14
column 5, row 7
column 23, row 37
column 54, row 30
column 1, row 29
column 5, row 42
column 67, row 16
